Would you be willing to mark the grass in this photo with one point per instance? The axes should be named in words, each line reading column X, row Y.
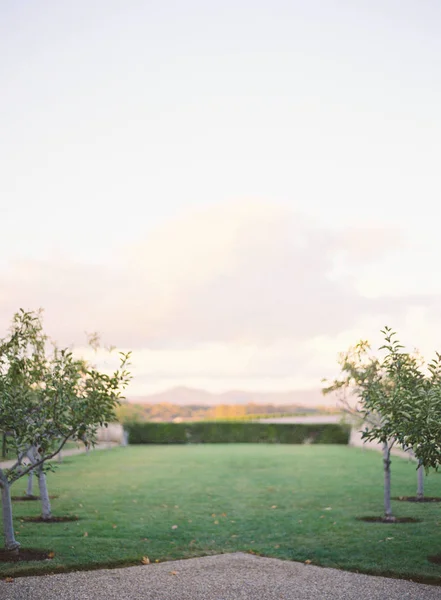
column 284, row 501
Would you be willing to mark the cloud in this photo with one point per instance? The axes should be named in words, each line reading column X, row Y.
column 244, row 273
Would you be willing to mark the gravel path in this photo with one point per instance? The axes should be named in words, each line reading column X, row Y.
column 224, row 577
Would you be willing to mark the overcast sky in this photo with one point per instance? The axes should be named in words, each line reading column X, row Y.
column 235, row 190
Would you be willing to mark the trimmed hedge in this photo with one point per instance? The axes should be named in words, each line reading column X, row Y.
column 225, row 432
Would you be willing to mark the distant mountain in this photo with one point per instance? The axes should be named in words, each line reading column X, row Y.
column 195, row 397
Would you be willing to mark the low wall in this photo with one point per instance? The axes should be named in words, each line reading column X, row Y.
column 356, row 440
column 112, row 433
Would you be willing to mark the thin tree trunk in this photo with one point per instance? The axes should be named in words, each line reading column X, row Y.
column 30, row 485
column 420, row 478
column 46, row 512
column 387, row 500
column 11, row 544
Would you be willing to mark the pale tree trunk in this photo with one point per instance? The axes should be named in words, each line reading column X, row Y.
column 125, row 438
column 30, row 485
column 11, row 544
column 387, row 490
column 420, row 479
column 46, row 512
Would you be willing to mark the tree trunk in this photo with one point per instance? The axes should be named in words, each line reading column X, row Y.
column 420, row 478
column 125, row 438
column 30, row 485
column 11, row 544
column 387, row 501
column 46, row 512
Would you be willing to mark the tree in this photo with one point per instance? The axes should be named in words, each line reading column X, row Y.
column 46, row 399
column 420, row 427
column 387, row 393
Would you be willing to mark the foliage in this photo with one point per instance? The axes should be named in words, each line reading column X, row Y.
column 420, row 411
column 388, row 392
column 316, row 491
column 47, row 398
column 236, row 431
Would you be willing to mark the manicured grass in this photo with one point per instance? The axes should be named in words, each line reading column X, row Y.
column 284, row 501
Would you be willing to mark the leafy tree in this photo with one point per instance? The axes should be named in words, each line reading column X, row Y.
column 387, row 393
column 420, row 427
column 46, row 399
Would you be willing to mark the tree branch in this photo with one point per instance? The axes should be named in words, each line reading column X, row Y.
column 42, row 460
column 20, row 458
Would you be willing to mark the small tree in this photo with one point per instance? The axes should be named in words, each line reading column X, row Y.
column 387, row 393
column 44, row 401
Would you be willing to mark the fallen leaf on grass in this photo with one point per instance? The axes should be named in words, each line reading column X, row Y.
column 51, row 555
column 174, row 526
column 114, row 526
column 274, row 506
column 145, row 560
column 327, row 508
column 216, row 522
column 277, row 546
column 85, row 534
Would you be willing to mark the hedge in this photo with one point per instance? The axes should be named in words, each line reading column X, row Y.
column 224, row 432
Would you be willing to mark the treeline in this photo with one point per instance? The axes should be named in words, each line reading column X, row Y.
column 132, row 412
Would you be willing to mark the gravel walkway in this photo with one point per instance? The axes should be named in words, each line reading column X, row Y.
column 225, row 577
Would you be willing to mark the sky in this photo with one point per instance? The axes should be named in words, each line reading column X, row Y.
column 235, row 191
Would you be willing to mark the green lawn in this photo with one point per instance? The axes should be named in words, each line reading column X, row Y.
column 285, row 501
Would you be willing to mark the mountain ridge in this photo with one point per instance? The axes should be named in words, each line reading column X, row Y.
column 182, row 395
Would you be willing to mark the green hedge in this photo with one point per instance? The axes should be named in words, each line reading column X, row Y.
column 224, row 432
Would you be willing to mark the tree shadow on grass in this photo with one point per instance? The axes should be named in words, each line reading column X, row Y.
column 388, row 519
column 40, row 519
column 24, row 555
column 415, row 499
column 28, row 498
